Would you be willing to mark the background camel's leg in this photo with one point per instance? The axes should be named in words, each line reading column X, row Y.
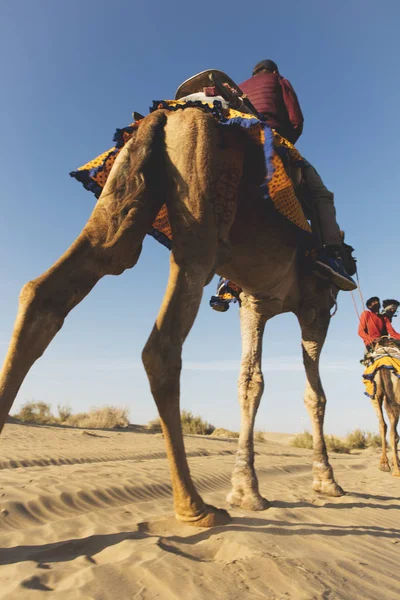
column 393, row 413
column 313, row 337
column 109, row 243
column 391, row 390
column 245, row 492
column 377, row 403
column 192, row 144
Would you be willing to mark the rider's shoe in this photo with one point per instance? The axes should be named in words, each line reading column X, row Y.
column 329, row 265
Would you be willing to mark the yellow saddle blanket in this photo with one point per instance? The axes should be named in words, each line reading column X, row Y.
column 278, row 186
column 385, row 362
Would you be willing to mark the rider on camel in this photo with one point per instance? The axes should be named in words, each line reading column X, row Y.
column 374, row 325
column 390, row 308
column 275, row 99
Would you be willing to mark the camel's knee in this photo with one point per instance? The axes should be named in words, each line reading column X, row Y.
column 35, row 298
column 315, row 403
column 163, row 364
column 251, row 386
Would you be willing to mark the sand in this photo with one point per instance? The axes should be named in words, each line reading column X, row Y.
column 90, row 516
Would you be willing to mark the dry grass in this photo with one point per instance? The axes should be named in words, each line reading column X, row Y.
column 190, row 425
column 195, row 425
column 105, row 417
column 154, row 426
column 355, row 440
column 374, row 440
column 224, row 433
column 303, row 440
column 335, row 444
column 64, row 412
column 35, row 412
column 259, row 436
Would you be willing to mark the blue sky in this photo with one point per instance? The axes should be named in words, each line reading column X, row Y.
column 72, row 72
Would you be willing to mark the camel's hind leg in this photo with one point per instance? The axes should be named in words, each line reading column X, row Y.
column 191, row 142
column 109, row 243
column 377, row 403
column 245, row 492
column 393, row 414
column 314, row 325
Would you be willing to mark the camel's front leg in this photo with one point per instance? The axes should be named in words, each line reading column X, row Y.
column 245, row 492
column 313, row 337
column 394, row 440
column 109, row 243
column 392, row 389
column 377, row 403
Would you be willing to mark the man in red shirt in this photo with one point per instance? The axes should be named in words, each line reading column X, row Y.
column 374, row 325
column 275, row 99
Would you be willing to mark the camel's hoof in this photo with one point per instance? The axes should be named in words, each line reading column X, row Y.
column 328, row 488
column 249, row 502
column 396, row 474
column 210, row 517
column 384, row 467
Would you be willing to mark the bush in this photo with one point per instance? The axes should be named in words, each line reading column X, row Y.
column 357, row 439
column 64, row 413
column 195, row 425
column 335, row 444
column 154, row 426
column 374, row 440
column 35, row 412
column 190, row 425
column 303, row 440
column 220, row 432
column 259, row 436
column 106, row 417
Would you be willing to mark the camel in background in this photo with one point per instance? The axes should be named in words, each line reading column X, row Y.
column 177, row 158
column 387, row 395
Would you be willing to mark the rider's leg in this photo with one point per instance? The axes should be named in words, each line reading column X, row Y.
column 329, row 262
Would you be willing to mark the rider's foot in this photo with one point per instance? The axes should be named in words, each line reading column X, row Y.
column 329, row 265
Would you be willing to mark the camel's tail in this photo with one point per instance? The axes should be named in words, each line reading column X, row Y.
column 145, row 151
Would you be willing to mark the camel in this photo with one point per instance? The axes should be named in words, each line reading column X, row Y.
column 177, row 158
column 387, row 395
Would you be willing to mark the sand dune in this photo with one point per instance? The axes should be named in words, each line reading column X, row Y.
column 90, row 516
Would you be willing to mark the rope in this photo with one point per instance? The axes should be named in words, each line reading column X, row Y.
column 359, row 289
column 355, row 306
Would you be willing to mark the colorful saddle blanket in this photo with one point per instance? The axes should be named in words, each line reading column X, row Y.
column 384, row 362
column 277, row 186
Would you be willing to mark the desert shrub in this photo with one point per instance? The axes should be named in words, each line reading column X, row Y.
column 35, row 412
column 195, row 425
column 357, row 439
column 259, row 436
column 374, row 440
column 154, row 426
column 64, row 412
column 190, row 424
column 220, row 432
column 303, row 440
column 105, row 417
column 335, row 444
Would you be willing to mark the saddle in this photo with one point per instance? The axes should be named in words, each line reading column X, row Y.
column 384, row 347
column 213, row 84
